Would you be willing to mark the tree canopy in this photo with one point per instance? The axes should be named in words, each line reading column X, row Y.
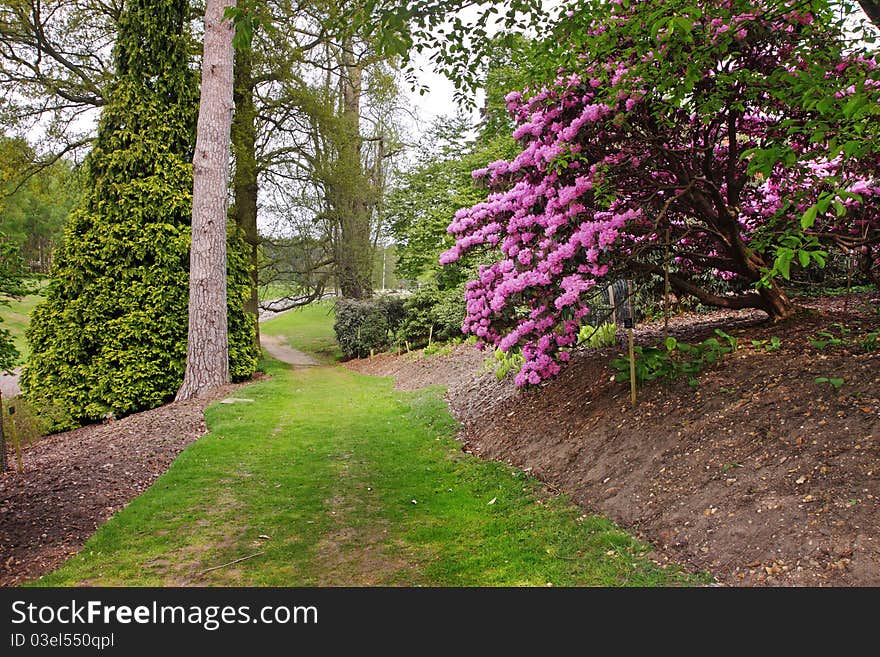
column 680, row 128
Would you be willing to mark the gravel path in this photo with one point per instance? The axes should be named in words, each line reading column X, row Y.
column 276, row 347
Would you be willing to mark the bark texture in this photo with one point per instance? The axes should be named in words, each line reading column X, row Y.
column 207, row 354
column 354, row 256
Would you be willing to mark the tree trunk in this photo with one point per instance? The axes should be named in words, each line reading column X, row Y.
column 207, row 353
column 776, row 302
column 244, row 182
column 354, row 252
column 872, row 10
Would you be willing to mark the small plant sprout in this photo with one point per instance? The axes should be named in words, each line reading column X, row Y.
column 834, row 382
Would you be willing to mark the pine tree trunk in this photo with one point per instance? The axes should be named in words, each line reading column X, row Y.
column 207, row 353
column 355, row 252
column 244, row 183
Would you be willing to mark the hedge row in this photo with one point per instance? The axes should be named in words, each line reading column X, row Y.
column 386, row 322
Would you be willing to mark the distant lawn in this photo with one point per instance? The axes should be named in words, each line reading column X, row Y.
column 308, row 329
column 276, row 290
column 16, row 317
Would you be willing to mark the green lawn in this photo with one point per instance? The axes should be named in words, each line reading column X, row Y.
column 277, row 290
column 16, row 317
column 335, row 478
column 308, row 329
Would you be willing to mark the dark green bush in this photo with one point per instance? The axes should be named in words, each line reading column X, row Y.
column 111, row 335
column 394, row 308
column 361, row 326
column 432, row 313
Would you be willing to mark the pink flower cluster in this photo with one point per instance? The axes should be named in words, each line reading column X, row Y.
column 599, row 182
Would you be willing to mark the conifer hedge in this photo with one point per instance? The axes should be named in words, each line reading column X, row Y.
column 111, row 334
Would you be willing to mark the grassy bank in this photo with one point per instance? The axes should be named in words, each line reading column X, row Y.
column 334, row 478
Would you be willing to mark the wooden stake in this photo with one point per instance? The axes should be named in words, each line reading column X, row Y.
column 632, row 368
column 632, row 349
column 2, row 439
column 666, row 290
column 849, row 269
column 15, row 441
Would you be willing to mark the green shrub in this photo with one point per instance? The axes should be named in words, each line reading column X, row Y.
column 432, row 314
column 507, row 363
column 111, row 335
column 598, row 337
column 394, row 308
column 29, row 423
column 361, row 326
column 675, row 359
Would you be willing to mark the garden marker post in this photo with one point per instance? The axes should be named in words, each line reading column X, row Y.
column 15, row 441
column 2, row 439
column 629, row 322
column 666, row 286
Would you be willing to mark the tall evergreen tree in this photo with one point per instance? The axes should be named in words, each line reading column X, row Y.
column 111, row 335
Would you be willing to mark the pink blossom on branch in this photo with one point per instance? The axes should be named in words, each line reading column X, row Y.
column 607, row 168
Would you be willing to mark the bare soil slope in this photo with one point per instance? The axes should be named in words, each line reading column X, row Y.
column 74, row 481
column 761, row 475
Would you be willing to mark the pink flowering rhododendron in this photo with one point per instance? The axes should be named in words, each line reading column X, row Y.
column 609, row 166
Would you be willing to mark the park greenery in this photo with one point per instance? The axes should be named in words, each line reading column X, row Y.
column 630, row 156
column 682, row 143
column 723, row 150
column 382, row 495
column 111, row 336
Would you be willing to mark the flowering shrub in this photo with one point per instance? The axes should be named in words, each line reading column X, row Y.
column 680, row 130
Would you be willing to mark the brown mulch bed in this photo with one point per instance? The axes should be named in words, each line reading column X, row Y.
column 761, row 476
column 74, row 481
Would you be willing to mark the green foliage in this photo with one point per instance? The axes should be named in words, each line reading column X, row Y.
column 419, row 211
column 16, row 316
column 834, row 382
column 363, row 326
column 598, row 337
column 427, row 197
column 111, row 335
column 34, row 204
column 675, row 359
column 432, row 313
column 241, row 325
column 11, row 285
column 840, row 336
column 506, row 364
column 828, row 338
column 773, row 344
column 29, row 422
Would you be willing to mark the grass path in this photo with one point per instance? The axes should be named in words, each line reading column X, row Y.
column 330, row 477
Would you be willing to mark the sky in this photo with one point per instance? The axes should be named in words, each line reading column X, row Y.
column 437, row 101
